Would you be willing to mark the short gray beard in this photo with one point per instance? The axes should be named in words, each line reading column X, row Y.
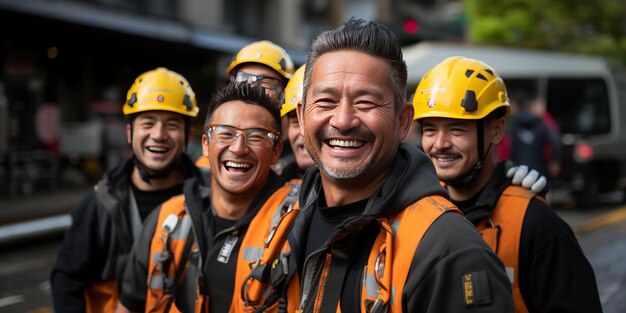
column 336, row 175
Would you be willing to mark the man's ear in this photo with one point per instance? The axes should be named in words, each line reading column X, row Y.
column 498, row 130
column 129, row 133
column 300, row 115
column 405, row 120
column 278, row 150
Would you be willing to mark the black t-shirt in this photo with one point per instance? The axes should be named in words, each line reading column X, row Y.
column 324, row 221
column 220, row 266
column 149, row 200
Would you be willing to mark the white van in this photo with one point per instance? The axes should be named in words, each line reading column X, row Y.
column 581, row 94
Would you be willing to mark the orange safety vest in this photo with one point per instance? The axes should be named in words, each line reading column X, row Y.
column 171, row 237
column 502, row 232
column 391, row 256
column 102, row 297
column 203, row 163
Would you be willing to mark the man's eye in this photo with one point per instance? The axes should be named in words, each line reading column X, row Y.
column 225, row 135
column 256, row 137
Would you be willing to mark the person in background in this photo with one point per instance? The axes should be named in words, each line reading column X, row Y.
column 159, row 107
column 461, row 105
column 197, row 252
column 294, row 168
column 265, row 63
column 371, row 199
column 530, row 136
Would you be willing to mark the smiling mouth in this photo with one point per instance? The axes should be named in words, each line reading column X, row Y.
column 237, row 166
column 158, row 149
column 446, row 158
column 350, row 144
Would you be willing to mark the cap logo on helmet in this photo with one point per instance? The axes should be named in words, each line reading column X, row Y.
column 257, row 55
column 431, row 102
column 160, row 98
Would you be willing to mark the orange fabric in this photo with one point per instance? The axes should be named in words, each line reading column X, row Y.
column 277, row 243
column 203, row 162
column 507, row 219
column 102, row 297
column 413, row 223
column 255, row 238
column 156, row 299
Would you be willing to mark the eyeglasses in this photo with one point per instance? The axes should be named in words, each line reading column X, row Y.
column 270, row 83
column 253, row 137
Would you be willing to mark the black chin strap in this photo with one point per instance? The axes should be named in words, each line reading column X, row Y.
column 148, row 174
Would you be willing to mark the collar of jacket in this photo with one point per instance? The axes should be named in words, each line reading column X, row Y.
column 489, row 195
column 412, row 177
column 197, row 193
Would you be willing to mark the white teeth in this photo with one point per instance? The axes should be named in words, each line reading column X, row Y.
column 238, row 165
column 345, row 143
column 446, row 159
column 158, row 149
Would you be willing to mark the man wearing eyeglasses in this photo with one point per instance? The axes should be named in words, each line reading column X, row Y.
column 202, row 244
column 265, row 63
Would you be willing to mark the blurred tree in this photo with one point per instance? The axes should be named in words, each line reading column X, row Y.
column 590, row 27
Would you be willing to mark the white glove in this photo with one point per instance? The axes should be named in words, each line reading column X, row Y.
column 529, row 180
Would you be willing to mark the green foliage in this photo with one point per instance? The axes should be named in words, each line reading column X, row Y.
column 590, row 27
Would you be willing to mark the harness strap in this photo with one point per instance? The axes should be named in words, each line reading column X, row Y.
column 255, row 285
column 332, row 277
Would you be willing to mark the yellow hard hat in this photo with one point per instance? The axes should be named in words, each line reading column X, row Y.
column 293, row 91
column 267, row 53
column 460, row 88
column 161, row 90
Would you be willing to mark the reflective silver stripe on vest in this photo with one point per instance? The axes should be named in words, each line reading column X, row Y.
column 372, row 289
column 287, row 203
column 156, row 282
column 511, row 273
column 181, row 232
column 252, row 253
column 394, row 226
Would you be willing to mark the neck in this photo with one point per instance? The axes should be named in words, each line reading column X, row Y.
column 228, row 205
column 175, row 177
column 350, row 190
column 468, row 191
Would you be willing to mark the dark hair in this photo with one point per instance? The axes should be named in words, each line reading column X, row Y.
column 368, row 37
column 251, row 94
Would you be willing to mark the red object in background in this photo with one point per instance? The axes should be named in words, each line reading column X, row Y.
column 504, row 150
column 48, row 123
column 411, row 26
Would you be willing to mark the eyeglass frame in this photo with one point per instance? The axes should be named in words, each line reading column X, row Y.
column 271, row 137
column 251, row 79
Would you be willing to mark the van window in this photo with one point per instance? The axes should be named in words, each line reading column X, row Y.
column 580, row 106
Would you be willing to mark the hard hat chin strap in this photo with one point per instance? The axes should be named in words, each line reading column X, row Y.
column 466, row 179
column 148, row 174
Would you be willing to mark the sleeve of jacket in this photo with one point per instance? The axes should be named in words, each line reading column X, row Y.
column 455, row 271
column 134, row 282
column 549, row 248
column 79, row 259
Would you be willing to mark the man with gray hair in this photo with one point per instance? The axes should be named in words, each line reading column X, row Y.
column 376, row 232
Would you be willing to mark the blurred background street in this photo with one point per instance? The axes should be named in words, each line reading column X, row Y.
column 65, row 66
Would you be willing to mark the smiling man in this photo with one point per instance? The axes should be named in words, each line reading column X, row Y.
column 461, row 105
column 372, row 199
column 201, row 244
column 159, row 107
